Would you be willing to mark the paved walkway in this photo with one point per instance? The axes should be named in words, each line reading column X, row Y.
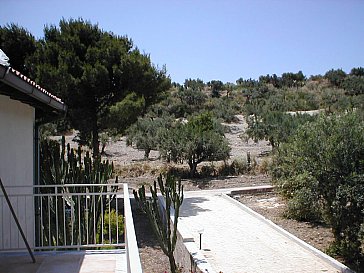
column 235, row 241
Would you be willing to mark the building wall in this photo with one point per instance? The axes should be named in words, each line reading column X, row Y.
column 16, row 169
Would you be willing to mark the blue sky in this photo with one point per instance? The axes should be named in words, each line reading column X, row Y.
column 218, row 39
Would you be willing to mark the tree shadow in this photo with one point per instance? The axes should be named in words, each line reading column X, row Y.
column 115, row 154
column 191, row 206
column 206, row 182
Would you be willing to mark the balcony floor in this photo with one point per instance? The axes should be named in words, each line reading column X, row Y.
column 88, row 261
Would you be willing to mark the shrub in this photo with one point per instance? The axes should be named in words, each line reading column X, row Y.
column 322, row 167
column 176, row 171
column 223, row 108
column 264, row 166
column 208, row 171
column 239, row 166
column 302, row 206
column 135, row 170
column 113, row 227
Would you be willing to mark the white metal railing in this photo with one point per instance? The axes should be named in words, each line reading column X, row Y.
column 132, row 253
column 67, row 216
column 71, row 216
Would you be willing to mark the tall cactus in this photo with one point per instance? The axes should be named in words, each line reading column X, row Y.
column 61, row 165
column 165, row 231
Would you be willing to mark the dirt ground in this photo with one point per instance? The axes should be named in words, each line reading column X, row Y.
column 272, row 207
column 206, row 184
column 151, row 255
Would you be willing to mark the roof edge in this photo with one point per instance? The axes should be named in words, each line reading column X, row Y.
column 15, row 79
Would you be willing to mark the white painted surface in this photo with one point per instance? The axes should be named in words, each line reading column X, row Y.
column 132, row 252
column 16, row 169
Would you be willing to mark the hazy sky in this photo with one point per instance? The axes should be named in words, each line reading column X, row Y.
column 218, row 39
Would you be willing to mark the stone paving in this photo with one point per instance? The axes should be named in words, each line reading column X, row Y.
column 235, row 241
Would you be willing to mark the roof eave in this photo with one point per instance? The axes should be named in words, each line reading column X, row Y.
column 16, row 82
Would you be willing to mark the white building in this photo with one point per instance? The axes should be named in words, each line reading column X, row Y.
column 24, row 106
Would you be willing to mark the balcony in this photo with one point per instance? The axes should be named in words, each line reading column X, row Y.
column 76, row 228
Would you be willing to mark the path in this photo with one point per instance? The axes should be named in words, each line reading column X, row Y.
column 236, row 241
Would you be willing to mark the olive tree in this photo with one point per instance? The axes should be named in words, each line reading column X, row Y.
column 200, row 139
column 275, row 126
column 144, row 134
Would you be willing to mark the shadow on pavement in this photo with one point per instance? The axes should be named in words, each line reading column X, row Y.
column 191, row 207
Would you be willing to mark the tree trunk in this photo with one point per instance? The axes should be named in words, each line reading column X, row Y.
column 146, row 153
column 193, row 168
column 271, row 141
column 95, row 141
column 103, row 149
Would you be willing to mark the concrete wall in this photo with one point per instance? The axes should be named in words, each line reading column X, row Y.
column 16, row 169
column 187, row 254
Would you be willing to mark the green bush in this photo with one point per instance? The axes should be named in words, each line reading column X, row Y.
column 239, row 166
column 322, row 168
column 176, row 171
column 223, row 108
column 113, row 227
column 208, row 171
column 302, row 206
column 264, row 166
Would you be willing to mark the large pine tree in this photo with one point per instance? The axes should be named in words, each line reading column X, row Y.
column 91, row 70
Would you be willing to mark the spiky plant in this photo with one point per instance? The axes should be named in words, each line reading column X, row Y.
column 163, row 226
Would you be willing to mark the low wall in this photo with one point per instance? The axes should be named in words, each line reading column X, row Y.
column 132, row 253
column 187, row 254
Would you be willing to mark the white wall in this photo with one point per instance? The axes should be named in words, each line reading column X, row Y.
column 16, row 169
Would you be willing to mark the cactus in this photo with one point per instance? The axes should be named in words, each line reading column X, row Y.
column 61, row 165
column 165, row 231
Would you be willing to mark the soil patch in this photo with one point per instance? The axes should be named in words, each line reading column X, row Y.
column 272, row 207
column 151, row 255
